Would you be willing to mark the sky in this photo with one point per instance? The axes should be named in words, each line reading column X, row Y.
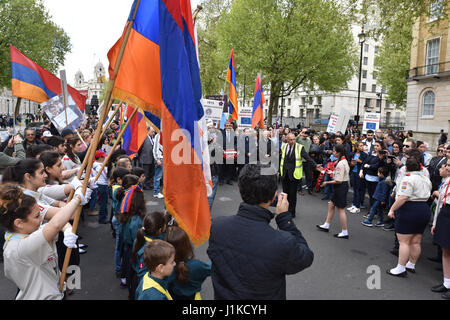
column 93, row 27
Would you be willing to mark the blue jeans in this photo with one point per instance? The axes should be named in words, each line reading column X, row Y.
column 157, row 178
column 116, row 226
column 215, row 181
column 359, row 189
column 376, row 208
column 329, row 189
column 103, row 194
column 93, row 200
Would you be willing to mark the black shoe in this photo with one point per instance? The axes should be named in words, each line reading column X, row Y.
column 322, row 228
column 301, row 193
column 103, row 222
column 390, row 227
column 394, row 252
column 325, row 198
column 340, row 237
column 435, row 259
column 401, row 275
column 439, row 288
column 411, row 270
column 446, row 295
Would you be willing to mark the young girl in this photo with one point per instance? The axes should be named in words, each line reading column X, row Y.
column 185, row 282
column 159, row 259
column 115, row 181
column 71, row 159
column 153, row 226
column 30, row 258
column 138, row 171
column 339, row 199
column 132, row 211
column 358, row 183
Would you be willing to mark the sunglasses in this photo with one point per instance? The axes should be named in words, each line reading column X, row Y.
column 440, row 150
column 406, row 146
column 30, row 134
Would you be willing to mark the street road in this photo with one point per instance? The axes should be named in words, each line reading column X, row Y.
column 340, row 268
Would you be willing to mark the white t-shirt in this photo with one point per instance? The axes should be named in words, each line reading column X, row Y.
column 32, row 264
column 415, row 185
column 103, row 179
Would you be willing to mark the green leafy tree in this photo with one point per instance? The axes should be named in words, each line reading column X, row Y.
column 291, row 43
column 27, row 25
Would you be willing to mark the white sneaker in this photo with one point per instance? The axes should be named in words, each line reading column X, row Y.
column 159, row 195
column 351, row 208
column 356, row 210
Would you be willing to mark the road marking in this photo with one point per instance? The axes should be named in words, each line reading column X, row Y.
column 225, row 199
column 152, row 203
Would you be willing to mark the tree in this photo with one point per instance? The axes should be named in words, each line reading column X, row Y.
column 291, row 43
column 27, row 25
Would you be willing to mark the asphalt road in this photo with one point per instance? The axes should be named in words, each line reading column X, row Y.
column 341, row 270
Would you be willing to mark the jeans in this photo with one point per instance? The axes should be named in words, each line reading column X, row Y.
column 157, row 178
column 116, row 226
column 329, row 189
column 359, row 189
column 371, row 186
column 215, row 181
column 93, row 200
column 103, row 194
column 376, row 208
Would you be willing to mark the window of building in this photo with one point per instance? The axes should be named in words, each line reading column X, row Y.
column 388, row 118
column 363, row 87
column 319, row 101
column 376, row 49
column 365, row 61
column 366, row 47
column 368, row 102
column 303, row 101
column 374, row 88
column 302, row 113
column 374, row 75
column 288, row 112
column 364, row 74
column 317, row 115
column 436, row 9
column 428, row 104
column 311, row 100
column 289, row 101
column 432, row 59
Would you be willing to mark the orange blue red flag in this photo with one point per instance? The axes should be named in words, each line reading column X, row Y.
column 231, row 79
column 258, row 102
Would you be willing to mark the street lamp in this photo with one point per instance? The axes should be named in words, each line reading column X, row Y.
column 362, row 39
column 380, row 96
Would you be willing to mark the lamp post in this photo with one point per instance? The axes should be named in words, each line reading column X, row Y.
column 362, row 39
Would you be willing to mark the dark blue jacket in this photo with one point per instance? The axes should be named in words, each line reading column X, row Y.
column 382, row 191
column 250, row 259
column 362, row 156
column 374, row 162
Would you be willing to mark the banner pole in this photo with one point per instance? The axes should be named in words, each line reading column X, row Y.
column 92, row 147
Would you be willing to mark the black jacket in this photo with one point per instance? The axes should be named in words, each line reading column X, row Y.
column 250, row 259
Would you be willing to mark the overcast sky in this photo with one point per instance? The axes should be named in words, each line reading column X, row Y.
column 93, row 27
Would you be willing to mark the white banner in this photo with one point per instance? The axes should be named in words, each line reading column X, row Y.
column 332, row 124
column 371, row 121
column 213, row 109
column 244, row 118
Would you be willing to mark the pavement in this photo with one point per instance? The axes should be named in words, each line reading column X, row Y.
column 353, row 269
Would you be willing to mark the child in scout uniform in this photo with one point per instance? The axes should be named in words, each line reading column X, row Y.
column 185, row 282
column 153, row 227
column 159, row 258
column 339, row 200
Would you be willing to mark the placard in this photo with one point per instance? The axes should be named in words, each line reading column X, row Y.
column 371, row 121
column 213, row 109
column 54, row 108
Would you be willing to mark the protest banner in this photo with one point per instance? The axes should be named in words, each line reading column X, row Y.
column 332, row 123
column 371, row 121
column 245, row 118
column 54, row 108
column 338, row 123
column 213, row 109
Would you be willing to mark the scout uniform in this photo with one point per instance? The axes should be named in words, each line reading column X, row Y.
column 442, row 218
column 341, row 173
column 151, row 288
column 198, row 272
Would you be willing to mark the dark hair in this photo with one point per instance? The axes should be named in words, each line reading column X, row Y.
column 15, row 174
column 70, row 144
column 413, row 142
column 55, row 141
column 157, row 252
column 14, row 204
column 183, row 251
column 415, row 153
column 118, row 173
column 412, row 164
column 383, row 170
column 370, row 131
column 49, row 159
column 137, row 171
column 381, row 143
column 37, row 149
column 419, row 143
column 153, row 225
column 340, row 148
column 137, row 206
column 256, row 188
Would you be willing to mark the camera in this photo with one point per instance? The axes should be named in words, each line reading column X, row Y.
column 383, row 152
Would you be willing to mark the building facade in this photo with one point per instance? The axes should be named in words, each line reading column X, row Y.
column 8, row 104
column 95, row 85
column 428, row 99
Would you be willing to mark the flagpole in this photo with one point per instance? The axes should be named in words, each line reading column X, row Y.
column 119, row 137
column 92, row 147
column 109, row 122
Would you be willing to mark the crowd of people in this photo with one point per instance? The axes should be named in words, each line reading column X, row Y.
column 153, row 256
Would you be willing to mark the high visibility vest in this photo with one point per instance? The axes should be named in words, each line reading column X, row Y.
column 298, row 172
column 150, row 283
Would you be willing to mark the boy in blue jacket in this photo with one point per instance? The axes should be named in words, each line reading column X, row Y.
column 380, row 197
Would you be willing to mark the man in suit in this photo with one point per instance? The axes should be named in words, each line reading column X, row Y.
column 147, row 159
column 229, row 140
column 291, row 169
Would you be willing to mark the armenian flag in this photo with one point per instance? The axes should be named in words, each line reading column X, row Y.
column 32, row 82
column 231, row 79
column 258, row 102
column 160, row 74
column 135, row 134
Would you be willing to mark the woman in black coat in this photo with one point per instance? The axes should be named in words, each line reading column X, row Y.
column 369, row 170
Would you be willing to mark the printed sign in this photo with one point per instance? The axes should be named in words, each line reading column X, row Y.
column 54, row 108
column 244, row 118
column 338, row 123
column 371, row 121
column 213, row 109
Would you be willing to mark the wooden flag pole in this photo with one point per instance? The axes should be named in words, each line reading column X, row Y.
column 93, row 146
column 109, row 122
column 119, row 138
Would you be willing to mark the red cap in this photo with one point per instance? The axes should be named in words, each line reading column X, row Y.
column 100, row 154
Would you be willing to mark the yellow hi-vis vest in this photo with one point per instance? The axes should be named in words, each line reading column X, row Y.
column 298, row 172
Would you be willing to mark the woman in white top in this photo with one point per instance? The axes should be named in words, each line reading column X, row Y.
column 30, row 258
column 71, row 160
column 412, row 215
column 441, row 229
column 340, row 181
